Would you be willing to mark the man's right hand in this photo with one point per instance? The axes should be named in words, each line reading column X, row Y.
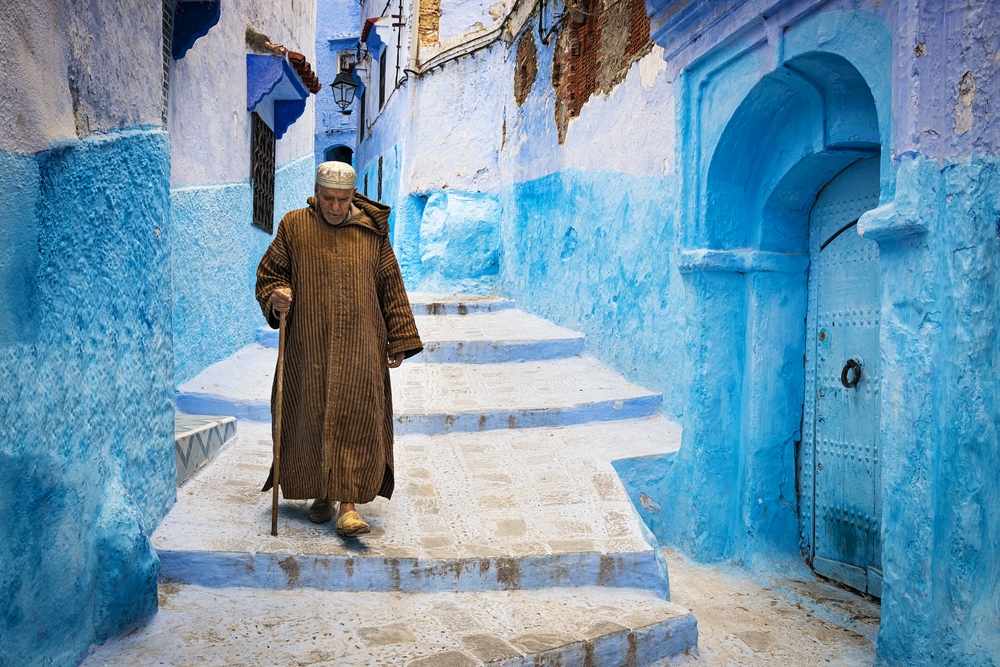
column 281, row 300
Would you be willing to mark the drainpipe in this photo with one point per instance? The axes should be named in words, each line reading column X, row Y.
column 414, row 65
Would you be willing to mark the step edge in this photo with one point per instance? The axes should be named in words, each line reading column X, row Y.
column 637, row 647
column 499, row 352
column 636, row 407
column 196, row 460
column 215, row 569
column 269, row 338
column 220, row 421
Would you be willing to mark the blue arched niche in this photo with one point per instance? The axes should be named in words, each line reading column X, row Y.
column 766, row 124
column 796, row 128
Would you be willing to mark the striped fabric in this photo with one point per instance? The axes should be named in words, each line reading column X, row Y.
column 349, row 313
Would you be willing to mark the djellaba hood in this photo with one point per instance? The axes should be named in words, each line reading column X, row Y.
column 373, row 215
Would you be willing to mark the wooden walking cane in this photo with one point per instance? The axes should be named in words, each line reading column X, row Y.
column 279, row 374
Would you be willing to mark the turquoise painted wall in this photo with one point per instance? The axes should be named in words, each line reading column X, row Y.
column 86, row 395
column 214, row 254
column 447, row 239
column 592, row 250
column 940, row 426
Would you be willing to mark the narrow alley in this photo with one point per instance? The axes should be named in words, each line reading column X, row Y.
column 616, row 333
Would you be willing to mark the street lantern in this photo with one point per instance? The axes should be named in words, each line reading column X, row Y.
column 343, row 91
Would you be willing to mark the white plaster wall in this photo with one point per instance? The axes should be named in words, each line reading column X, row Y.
column 463, row 129
column 387, row 127
column 631, row 130
column 73, row 68
column 396, row 46
column 458, row 118
column 208, row 119
column 459, row 17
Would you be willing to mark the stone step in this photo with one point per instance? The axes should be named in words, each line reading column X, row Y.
column 509, row 509
column 197, row 438
column 443, row 398
column 457, row 304
column 489, row 338
column 236, row 626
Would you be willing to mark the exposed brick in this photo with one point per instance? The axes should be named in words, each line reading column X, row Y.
column 526, row 66
column 594, row 52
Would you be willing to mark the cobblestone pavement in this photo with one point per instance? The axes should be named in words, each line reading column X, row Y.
column 507, row 493
column 203, row 627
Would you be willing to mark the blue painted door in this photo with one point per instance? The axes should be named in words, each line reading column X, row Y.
column 842, row 381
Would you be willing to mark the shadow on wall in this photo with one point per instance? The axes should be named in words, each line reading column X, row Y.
column 215, row 250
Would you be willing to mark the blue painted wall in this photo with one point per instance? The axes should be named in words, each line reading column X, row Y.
column 337, row 30
column 86, row 396
column 592, row 250
column 940, row 425
column 214, row 254
column 753, row 157
column 447, row 240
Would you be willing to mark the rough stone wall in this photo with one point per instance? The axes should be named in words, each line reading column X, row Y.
column 86, row 401
column 430, row 22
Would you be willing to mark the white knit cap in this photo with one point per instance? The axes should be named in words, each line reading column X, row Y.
column 336, row 175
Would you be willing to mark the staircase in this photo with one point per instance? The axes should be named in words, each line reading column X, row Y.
column 509, row 539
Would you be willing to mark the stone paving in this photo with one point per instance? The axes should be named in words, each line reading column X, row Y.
column 243, row 627
column 781, row 618
column 509, row 539
column 434, row 398
column 542, row 505
column 506, row 543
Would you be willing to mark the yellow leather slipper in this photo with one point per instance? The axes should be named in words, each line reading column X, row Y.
column 351, row 523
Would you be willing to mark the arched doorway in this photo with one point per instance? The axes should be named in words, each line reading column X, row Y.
column 757, row 153
column 339, row 153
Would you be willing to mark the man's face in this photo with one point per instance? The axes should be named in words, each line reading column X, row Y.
column 334, row 203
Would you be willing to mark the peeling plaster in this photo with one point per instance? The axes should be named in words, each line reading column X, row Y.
column 650, row 66
column 963, row 107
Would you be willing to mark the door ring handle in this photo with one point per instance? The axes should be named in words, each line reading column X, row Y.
column 851, row 365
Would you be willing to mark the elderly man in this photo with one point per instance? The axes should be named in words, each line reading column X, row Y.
column 331, row 268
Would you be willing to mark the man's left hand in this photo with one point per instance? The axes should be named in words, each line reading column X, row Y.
column 396, row 359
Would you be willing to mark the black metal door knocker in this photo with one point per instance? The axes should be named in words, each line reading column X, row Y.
column 851, row 375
